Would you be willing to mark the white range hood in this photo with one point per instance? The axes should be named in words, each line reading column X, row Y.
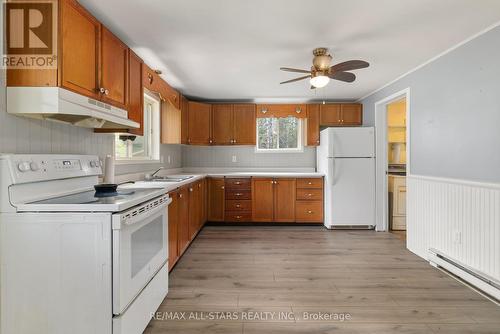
column 61, row 105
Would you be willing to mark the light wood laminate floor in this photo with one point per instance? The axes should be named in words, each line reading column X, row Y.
column 254, row 279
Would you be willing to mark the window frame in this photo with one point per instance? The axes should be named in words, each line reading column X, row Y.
column 300, row 140
column 151, row 125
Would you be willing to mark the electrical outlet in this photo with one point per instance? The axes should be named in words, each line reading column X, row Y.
column 169, row 160
column 234, row 159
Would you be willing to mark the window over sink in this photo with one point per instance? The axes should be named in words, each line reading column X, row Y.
column 283, row 134
column 142, row 148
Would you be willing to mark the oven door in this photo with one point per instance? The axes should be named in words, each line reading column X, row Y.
column 139, row 249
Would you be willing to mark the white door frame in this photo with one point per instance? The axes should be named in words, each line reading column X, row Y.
column 382, row 214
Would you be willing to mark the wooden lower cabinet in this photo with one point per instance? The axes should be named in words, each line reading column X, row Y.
column 309, row 204
column 238, row 200
column 309, row 211
column 262, row 199
column 284, row 200
column 173, row 229
column 216, row 199
column 183, row 219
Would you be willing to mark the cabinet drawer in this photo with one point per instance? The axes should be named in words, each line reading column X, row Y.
column 310, row 183
column 238, row 216
column 310, row 194
column 309, row 211
column 238, row 183
column 235, row 205
column 238, row 194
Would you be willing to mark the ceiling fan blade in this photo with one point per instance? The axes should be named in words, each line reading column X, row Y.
column 296, row 79
column 349, row 66
column 296, row 70
column 343, row 76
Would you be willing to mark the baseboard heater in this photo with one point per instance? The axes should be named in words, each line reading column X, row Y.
column 351, row 227
column 483, row 282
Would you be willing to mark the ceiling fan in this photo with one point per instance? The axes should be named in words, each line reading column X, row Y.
column 321, row 72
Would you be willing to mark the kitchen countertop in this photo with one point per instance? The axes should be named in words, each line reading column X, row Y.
column 169, row 186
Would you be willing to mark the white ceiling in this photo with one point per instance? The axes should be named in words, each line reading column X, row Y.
column 232, row 49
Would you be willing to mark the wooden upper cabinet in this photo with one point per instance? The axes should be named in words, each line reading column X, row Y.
column 184, row 120
column 313, row 125
column 222, row 124
column 244, row 124
column 199, row 119
column 351, row 114
column 151, row 80
column 330, row 115
column 79, row 56
column 135, row 95
column 262, row 199
column 216, row 199
column 114, row 63
column 284, row 200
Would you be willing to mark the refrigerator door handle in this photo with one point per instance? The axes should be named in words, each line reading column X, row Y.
column 331, row 170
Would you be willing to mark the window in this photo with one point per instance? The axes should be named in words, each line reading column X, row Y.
column 147, row 147
column 279, row 134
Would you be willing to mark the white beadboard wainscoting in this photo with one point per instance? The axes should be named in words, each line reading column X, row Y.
column 460, row 219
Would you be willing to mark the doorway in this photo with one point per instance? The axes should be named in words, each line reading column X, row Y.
column 392, row 122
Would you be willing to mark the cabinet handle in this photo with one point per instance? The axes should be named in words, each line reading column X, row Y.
column 106, row 92
column 190, row 189
column 238, row 217
column 222, row 187
column 189, row 140
column 180, row 195
column 238, row 194
column 210, row 141
column 309, row 183
column 234, row 141
column 272, row 182
column 309, row 195
column 238, row 206
column 309, row 212
column 199, row 185
column 102, row 90
column 237, row 182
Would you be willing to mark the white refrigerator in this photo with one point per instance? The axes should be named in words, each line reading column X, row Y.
column 347, row 158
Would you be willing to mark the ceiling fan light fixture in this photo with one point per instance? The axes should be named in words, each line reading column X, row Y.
column 320, row 81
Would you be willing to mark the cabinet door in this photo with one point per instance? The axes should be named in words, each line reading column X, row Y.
column 135, row 93
column 183, row 219
column 194, row 210
column 313, row 125
column 222, row 124
column 199, row 116
column 173, row 229
column 284, row 200
column 202, row 204
column 262, row 199
column 79, row 65
column 352, row 114
column 244, row 124
column 330, row 114
column 216, row 199
column 184, row 120
column 113, row 69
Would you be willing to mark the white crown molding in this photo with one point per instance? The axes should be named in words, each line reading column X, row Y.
column 482, row 32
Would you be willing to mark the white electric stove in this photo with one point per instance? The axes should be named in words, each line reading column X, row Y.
column 81, row 263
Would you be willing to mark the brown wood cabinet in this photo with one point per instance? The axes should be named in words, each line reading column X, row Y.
column 216, row 199
column 244, row 130
column 262, row 199
column 222, row 124
column 79, row 50
column 171, row 119
column 284, row 200
column 184, row 120
column 233, row 124
column 199, row 120
column 313, row 125
column 114, row 63
column 309, row 204
column 183, row 212
column 341, row 114
column 135, row 93
column 238, row 196
column 173, row 229
column 194, row 209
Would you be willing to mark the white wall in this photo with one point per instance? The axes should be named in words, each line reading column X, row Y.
column 453, row 192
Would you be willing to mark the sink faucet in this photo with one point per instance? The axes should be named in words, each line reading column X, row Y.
column 151, row 176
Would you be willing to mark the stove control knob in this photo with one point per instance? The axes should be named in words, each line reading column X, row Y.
column 23, row 166
column 93, row 164
column 34, row 166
